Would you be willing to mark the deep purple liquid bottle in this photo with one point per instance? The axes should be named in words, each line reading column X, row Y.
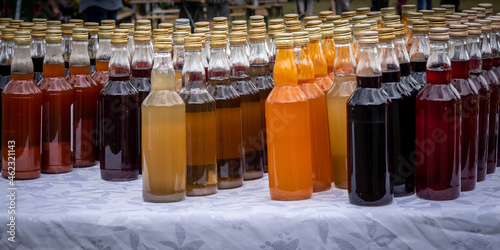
column 470, row 114
column 141, row 80
column 37, row 68
column 119, row 125
column 494, row 84
column 418, row 71
column 368, row 118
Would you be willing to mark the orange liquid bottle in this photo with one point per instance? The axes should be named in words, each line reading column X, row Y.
column 21, row 116
column 56, row 113
column 329, row 48
column 320, row 143
column 86, row 95
column 404, row 14
column 319, row 60
column 288, row 129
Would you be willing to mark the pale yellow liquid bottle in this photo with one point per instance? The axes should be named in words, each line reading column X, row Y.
column 163, row 133
column 345, row 84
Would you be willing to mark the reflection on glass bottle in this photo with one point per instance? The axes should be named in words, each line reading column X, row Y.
column 93, row 29
column 6, row 51
column 319, row 60
column 419, row 51
column 178, row 57
column 38, row 51
column 67, row 42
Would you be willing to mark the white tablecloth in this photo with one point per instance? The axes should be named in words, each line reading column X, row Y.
column 78, row 210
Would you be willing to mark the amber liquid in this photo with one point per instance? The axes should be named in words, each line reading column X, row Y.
column 329, row 50
column 86, row 96
column 56, row 120
column 251, row 126
column 228, row 115
column 258, row 74
column 22, row 118
column 320, row 67
column 37, row 68
column 201, row 139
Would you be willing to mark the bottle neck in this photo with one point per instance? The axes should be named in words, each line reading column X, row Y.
column 475, row 56
column 439, row 64
column 305, row 66
column 318, row 57
column 344, row 63
column 119, row 66
column 163, row 75
column 494, row 43
column 458, row 50
column 103, row 54
column 93, row 45
column 179, row 54
column 387, row 55
column 369, row 70
column 142, row 58
column 239, row 61
column 79, row 54
column 486, row 50
column 6, row 52
column 420, row 47
column 258, row 53
column 193, row 73
column 21, row 60
column 219, row 66
column 67, row 42
column 401, row 52
column 53, row 53
column 272, row 49
column 285, row 70
column 37, row 47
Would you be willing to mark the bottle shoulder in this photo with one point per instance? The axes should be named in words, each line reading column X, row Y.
column 438, row 93
column 396, row 90
column 369, row 97
column 163, row 98
column 80, row 81
column 286, row 94
column 54, row 84
column 22, row 87
column 116, row 88
column 343, row 86
column 464, row 87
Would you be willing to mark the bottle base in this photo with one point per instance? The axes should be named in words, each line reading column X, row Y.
column 24, row 175
column 166, row 198
column 402, row 190
column 83, row 163
column 198, row 190
column 119, row 175
column 467, row 185
column 321, row 188
column 252, row 175
column 382, row 202
column 281, row 195
column 342, row 185
column 438, row 195
column 57, row 169
column 228, row 184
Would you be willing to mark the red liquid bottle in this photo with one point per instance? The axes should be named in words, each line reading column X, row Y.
column 86, row 95
column 56, row 112
column 38, row 45
column 495, row 51
column 460, row 74
column 6, row 50
column 419, row 51
column 119, row 118
column 21, row 116
column 483, row 88
column 437, row 156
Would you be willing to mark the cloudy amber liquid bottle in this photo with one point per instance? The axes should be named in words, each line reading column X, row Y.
column 201, row 133
column 289, row 137
column 21, row 115
column 320, row 144
column 163, row 132
column 344, row 86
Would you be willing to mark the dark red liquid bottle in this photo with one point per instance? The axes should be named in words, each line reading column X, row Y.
column 494, row 84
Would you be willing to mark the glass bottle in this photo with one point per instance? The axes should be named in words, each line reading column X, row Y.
column 319, row 60
column 345, row 84
column 178, row 57
column 495, row 51
column 228, row 115
column 368, row 120
column 119, row 117
column 163, row 132
column 103, row 55
column 21, row 115
column 329, row 49
column 86, row 96
column 404, row 15
column 470, row 105
column 56, row 113
column 290, row 161
column 320, row 144
column 483, row 88
column 38, row 51
column 93, row 44
column 142, row 63
column 130, row 43
column 494, row 84
column 259, row 71
column 437, row 171
column 273, row 30
column 6, row 51
column 419, row 51
column 251, row 120
column 67, row 41
column 201, row 131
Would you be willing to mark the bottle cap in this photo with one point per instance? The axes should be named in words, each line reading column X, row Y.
column 485, row 25
column 375, row 15
column 314, row 34
column 22, row 36
column 450, row 8
column 142, row 36
column 238, row 38
column 331, row 19
column 463, row 17
column 53, row 36
column 77, row 22
column 14, row 24
column 26, row 26
column 488, row 7
column 391, row 19
column 399, row 29
column 474, row 29
column 313, row 24
column 495, row 23
column 368, row 37
column 360, row 27
column 109, row 22
column 414, row 16
column 5, row 21
column 311, row 18
column 372, row 23
column 162, row 43
column 80, row 34
column 200, row 35
column 275, row 29
column 324, row 14
column 92, row 27
column 362, row 10
column 182, row 22
column 166, row 25
column 179, row 36
column 408, row 8
column 459, row 30
column 123, row 31
column 439, row 12
column 472, row 15
column 452, row 19
column 386, row 34
column 388, row 11
column 67, row 29
column 342, row 34
column 8, row 34
column 129, row 26
column 40, row 21
column 427, row 14
column 240, row 29
column 435, row 22
column 291, row 17
column 479, row 9
column 193, row 43
column 244, row 23
column 300, row 38
column 284, row 40
column 257, row 26
column 105, row 31
column 201, row 24
column 347, row 15
column 256, row 19
column 358, row 18
column 341, row 24
column 257, row 34
column 420, row 27
column 439, row 34
column 119, row 38
column 160, row 33
column 53, row 25
column 143, row 22
column 38, row 32
column 143, row 28
column 327, row 30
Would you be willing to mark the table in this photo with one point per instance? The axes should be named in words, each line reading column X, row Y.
column 79, row 210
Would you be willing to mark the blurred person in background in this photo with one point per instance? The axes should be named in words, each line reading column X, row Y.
column 454, row 2
column 305, row 8
column 424, row 4
column 98, row 10
column 378, row 4
column 193, row 10
column 217, row 8
column 339, row 6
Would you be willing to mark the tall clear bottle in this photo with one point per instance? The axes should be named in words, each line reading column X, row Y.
column 21, row 115
column 178, row 57
column 483, row 88
column 201, row 131
column 259, row 71
column 163, row 132
column 419, row 51
column 56, row 113
column 400, row 143
column 119, row 118
column 93, row 29
column 319, row 60
column 320, row 144
column 228, row 114
column 290, row 162
column 460, row 74
column 142, row 63
column 344, row 86
column 6, row 51
column 38, row 45
column 437, row 172
column 86, row 96
column 67, row 41
column 251, row 120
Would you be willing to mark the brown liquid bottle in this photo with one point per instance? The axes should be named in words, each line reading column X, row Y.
column 56, row 112
column 21, row 116
column 86, row 95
